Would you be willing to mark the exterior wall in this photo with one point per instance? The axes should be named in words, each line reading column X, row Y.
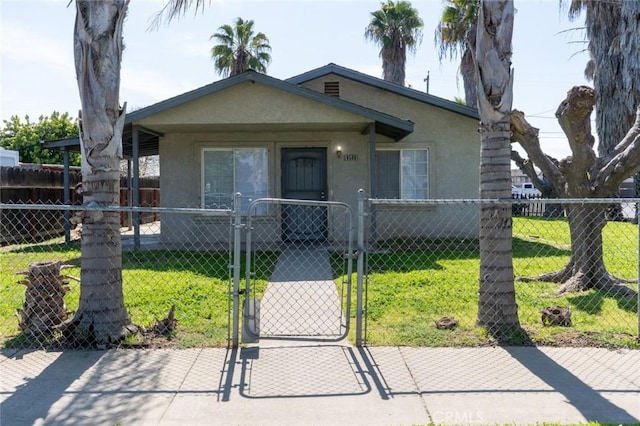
column 266, row 117
column 251, row 104
column 181, row 175
column 452, row 139
column 454, row 156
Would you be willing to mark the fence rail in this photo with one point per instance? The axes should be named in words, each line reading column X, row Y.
column 419, row 269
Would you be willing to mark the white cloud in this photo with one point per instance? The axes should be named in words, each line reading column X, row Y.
column 21, row 46
column 145, row 87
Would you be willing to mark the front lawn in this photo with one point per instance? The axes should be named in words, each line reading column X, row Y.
column 407, row 290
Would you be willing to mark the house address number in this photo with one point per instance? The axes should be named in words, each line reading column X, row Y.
column 350, row 157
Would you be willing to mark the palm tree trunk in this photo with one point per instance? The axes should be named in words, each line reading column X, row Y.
column 496, row 306
column 101, row 316
column 468, row 72
column 468, row 68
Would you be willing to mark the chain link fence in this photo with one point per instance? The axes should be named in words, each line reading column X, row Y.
column 298, row 273
column 175, row 275
column 419, row 264
column 575, row 274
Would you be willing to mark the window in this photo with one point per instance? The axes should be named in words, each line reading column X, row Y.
column 403, row 174
column 227, row 171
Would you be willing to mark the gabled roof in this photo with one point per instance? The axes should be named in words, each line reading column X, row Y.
column 384, row 85
column 385, row 124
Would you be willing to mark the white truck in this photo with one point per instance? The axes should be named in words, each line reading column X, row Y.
column 525, row 190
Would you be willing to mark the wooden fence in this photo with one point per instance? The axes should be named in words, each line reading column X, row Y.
column 45, row 185
column 542, row 207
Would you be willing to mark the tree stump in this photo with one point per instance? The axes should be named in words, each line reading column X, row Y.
column 556, row 315
column 446, row 323
column 44, row 307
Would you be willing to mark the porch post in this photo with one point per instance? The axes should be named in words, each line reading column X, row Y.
column 372, row 161
column 135, row 139
column 373, row 187
column 66, row 195
column 129, row 195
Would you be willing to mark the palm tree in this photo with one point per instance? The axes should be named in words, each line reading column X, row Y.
column 497, row 307
column 239, row 49
column 456, row 35
column 396, row 28
column 101, row 316
column 615, row 108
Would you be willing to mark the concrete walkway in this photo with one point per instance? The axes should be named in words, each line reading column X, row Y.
column 301, row 298
column 309, row 384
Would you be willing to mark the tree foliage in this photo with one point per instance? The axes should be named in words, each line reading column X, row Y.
column 239, row 49
column 608, row 26
column 455, row 36
column 396, row 28
column 26, row 137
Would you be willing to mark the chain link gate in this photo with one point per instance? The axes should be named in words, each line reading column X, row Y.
column 298, row 267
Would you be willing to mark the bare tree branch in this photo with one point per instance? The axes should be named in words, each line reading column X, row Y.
column 623, row 162
column 574, row 116
column 527, row 136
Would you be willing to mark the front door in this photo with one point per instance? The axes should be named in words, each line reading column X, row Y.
column 304, row 177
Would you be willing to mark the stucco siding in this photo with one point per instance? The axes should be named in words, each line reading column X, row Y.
column 181, row 172
column 452, row 139
column 250, row 103
column 255, row 115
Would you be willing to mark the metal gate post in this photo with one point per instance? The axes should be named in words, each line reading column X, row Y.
column 237, row 226
column 638, row 294
column 360, row 267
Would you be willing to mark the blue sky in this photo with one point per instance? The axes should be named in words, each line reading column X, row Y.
column 37, row 74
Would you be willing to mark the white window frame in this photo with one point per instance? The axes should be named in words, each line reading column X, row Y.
column 402, row 177
column 265, row 153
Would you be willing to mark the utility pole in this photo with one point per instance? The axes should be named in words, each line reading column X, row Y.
column 426, row 79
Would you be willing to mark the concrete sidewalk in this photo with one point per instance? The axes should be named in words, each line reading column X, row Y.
column 311, row 384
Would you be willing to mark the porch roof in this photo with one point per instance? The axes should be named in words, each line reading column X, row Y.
column 384, row 124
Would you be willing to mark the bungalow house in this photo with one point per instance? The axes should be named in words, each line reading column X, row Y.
column 321, row 135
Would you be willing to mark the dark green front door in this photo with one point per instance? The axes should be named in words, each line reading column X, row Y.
column 304, row 177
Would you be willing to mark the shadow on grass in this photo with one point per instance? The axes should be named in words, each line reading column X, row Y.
column 210, row 264
column 526, row 248
column 404, row 255
column 43, row 247
column 592, row 302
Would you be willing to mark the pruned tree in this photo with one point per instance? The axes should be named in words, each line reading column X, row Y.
column 497, row 305
column 615, row 104
column 101, row 317
column 582, row 175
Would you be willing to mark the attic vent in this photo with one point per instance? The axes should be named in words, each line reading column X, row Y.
column 332, row 88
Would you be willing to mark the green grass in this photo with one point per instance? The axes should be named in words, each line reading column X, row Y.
column 407, row 290
column 197, row 283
